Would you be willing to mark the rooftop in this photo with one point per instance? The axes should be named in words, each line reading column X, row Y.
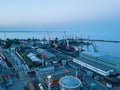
column 110, row 58
column 97, row 65
column 69, row 81
column 90, row 53
column 46, row 53
column 33, row 57
column 101, row 56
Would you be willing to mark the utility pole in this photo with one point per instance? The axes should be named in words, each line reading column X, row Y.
column 49, row 82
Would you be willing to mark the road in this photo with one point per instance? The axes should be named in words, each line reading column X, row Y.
column 88, row 81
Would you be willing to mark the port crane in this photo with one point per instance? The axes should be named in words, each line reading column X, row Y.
column 95, row 47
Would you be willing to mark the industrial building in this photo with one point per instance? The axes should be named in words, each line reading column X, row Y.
column 45, row 70
column 34, row 58
column 59, row 69
column 96, row 67
column 106, row 60
column 56, row 77
column 69, row 83
column 46, row 53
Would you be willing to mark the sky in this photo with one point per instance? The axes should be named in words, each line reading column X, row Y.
column 56, row 12
column 98, row 18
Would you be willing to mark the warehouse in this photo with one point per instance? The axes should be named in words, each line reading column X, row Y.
column 106, row 60
column 96, row 67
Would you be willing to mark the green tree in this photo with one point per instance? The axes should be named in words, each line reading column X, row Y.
column 8, row 43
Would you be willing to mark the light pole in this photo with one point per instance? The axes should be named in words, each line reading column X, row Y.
column 49, row 82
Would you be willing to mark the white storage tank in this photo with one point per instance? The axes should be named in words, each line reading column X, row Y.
column 69, row 83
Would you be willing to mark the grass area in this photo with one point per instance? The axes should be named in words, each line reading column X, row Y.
column 28, row 61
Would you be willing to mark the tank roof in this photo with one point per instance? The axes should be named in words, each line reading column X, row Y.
column 70, row 82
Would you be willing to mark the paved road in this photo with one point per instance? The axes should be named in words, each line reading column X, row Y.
column 17, row 85
column 88, row 80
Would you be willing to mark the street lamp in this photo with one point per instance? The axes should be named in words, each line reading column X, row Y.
column 49, row 82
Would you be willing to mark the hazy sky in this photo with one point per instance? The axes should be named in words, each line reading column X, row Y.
column 51, row 12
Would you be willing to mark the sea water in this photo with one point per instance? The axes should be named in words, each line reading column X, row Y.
column 103, row 47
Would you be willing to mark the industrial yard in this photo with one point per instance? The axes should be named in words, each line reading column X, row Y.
column 56, row 65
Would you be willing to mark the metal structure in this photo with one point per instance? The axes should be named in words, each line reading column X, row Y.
column 97, row 69
column 49, row 82
column 69, row 83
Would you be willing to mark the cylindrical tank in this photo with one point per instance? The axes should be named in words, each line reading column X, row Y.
column 69, row 83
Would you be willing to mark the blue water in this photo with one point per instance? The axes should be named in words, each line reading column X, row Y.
column 105, row 30
column 103, row 47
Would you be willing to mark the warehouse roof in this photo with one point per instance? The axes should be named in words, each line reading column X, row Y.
column 101, row 56
column 95, row 64
column 90, row 53
column 33, row 57
column 46, row 53
column 110, row 58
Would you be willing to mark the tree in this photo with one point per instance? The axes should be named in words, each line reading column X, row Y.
column 16, row 41
column 8, row 43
